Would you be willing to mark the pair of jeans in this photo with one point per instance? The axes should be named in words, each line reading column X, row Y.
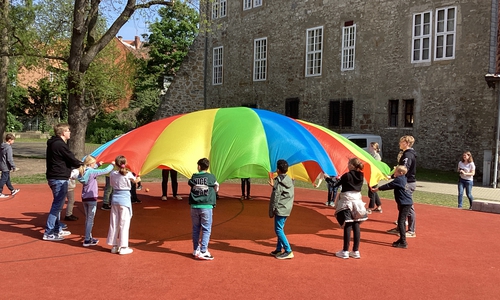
column 5, row 180
column 107, row 192
column 164, row 182
column 245, row 183
column 90, row 208
column 374, row 198
column 467, row 184
column 332, row 193
column 59, row 190
column 279, row 226
column 412, row 215
column 403, row 212
column 202, row 222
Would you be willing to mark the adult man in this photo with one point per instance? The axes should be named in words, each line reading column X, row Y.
column 409, row 160
column 60, row 160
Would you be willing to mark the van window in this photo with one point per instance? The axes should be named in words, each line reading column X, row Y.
column 362, row 143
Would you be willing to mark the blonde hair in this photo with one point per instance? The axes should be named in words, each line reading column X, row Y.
column 60, row 128
column 88, row 161
column 375, row 146
column 470, row 159
column 401, row 170
column 409, row 139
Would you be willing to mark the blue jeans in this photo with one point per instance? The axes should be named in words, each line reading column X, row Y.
column 5, row 180
column 467, row 184
column 90, row 209
column 279, row 225
column 202, row 222
column 59, row 191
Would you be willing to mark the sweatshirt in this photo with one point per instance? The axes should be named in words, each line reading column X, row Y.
column 401, row 194
column 90, row 188
column 59, row 159
column 6, row 159
column 409, row 160
column 282, row 197
column 203, row 190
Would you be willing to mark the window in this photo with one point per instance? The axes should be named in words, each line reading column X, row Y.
column 219, row 9
column 217, row 66
column 445, row 33
column 340, row 113
column 292, row 108
column 393, row 113
column 408, row 113
column 260, row 59
column 348, row 46
column 421, row 40
column 314, row 51
column 247, row 4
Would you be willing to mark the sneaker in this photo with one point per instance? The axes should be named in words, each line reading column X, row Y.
column 124, row 251
column 369, row 211
column 242, row 198
column 379, row 210
column 354, row 254
column 139, row 188
column 71, row 218
column 248, row 198
column 285, row 255
column 393, row 231
column 327, row 203
column 196, row 252
column 4, row 196
column 276, row 253
column 163, row 198
column 410, row 234
column 63, row 226
column 64, row 233
column 399, row 244
column 178, row 197
column 342, row 254
column 105, row 207
column 91, row 242
column 136, row 201
column 15, row 192
column 52, row 237
column 115, row 249
column 205, row 256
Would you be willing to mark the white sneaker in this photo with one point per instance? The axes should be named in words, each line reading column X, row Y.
column 163, row 198
column 127, row 250
column 342, row 254
column 205, row 256
column 354, row 254
column 64, row 233
column 178, row 197
column 115, row 249
column 197, row 251
column 4, row 196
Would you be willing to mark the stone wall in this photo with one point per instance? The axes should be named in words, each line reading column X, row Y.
column 454, row 108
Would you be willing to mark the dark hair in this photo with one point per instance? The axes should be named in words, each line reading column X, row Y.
column 204, row 163
column 9, row 137
column 356, row 163
column 282, row 166
column 121, row 163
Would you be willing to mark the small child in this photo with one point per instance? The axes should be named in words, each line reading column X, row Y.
column 71, row 195
column 202, row 199
column 7, row 165
column 333, row 187
column 88, row 175
column 121, row 207
column 280, row 207
column 403, row 199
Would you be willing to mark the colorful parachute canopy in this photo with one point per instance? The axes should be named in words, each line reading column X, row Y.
column 340, row 150
column 239, row 142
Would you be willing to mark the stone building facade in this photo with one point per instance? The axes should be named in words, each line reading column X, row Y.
column 385, row 67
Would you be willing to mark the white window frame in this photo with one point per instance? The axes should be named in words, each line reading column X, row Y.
column 217, row 64
column 249, row 4
column 260, row 59
column 314, row 51
column 421, row 34
column 348, row 47
column 443, row 31
column 219, row 9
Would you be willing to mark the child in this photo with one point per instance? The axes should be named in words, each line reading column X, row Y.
column 71, row 195
column 121, row 207
column 403, row 199
column 350, row 208
column 332, row 187
column 280, row 207
column 245, row 185
column 7, row 165
column 87, row 176
column 202, row 200
column 375, row 205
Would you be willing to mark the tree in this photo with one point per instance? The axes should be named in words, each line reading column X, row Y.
column 168, row 44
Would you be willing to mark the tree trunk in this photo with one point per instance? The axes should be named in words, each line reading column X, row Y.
column 4, row 64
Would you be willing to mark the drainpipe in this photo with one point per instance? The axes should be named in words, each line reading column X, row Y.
column 492, row 70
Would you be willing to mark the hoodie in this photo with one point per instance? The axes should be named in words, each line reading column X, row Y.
column 409, row 160
column 6, row 160
column 281, row 203
column 59, row 159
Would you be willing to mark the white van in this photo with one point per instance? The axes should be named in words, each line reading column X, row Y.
column 364, row 140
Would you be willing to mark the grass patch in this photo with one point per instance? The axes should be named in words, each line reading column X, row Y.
column 29, row 179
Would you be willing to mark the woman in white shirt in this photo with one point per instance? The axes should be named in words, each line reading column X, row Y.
column 467, row 169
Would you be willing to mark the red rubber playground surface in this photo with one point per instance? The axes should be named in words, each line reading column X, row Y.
column 455, row 254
